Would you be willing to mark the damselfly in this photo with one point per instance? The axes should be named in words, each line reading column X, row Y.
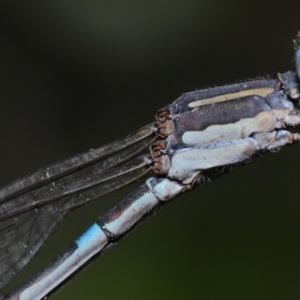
column 197, row 138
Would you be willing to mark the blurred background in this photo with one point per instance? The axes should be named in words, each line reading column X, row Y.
column 78, row 74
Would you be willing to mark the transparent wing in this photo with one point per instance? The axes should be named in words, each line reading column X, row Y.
column 74, row 163
column 27, row 220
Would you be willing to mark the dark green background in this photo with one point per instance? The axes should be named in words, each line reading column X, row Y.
column 78, row 74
